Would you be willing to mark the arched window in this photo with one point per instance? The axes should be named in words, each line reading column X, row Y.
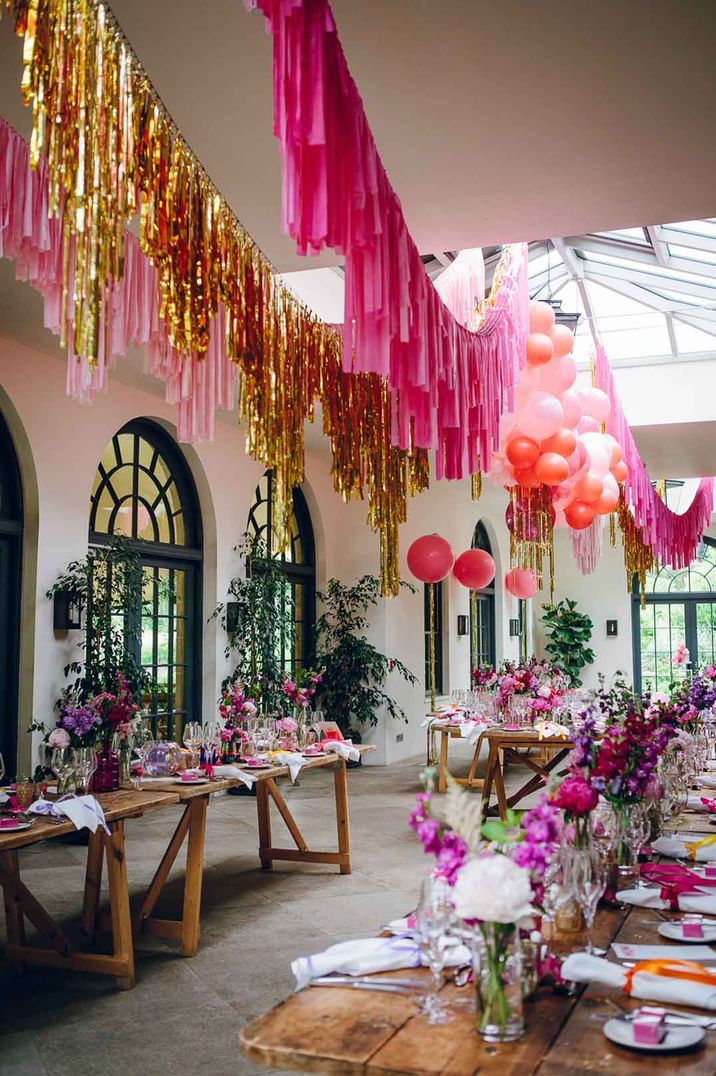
column 11, row 519
column 680, row 608
column 144, row 491
column 482, row 611
column 298, row 562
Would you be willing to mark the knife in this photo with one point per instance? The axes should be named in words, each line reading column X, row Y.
column 393, row 986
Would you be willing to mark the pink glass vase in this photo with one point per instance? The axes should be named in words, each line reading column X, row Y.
column 106, row 777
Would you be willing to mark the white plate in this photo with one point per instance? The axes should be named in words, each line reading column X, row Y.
column 676, row 1038
column 188, row 784
column 674, row 931
column 16, row 827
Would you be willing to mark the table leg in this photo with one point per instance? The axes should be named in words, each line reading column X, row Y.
column 475, row 759
column 93, row 883
column 500, row 788
column 263, row 808
column 489, row 777
column 119, row 902
column 340, row 781
column 194, row 875
column 14, row 921
column 442, row 769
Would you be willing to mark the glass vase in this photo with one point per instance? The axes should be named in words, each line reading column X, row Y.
column 106, row 775
column 125, row 759
column 623, row 856
column 498, row 982
column 301, row 727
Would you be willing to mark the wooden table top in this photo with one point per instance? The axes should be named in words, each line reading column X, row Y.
column 126, row 803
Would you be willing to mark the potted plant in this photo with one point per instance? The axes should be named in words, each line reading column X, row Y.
column 568, row 632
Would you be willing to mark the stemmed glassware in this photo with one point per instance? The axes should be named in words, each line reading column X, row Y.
column 63, row 764
column 192, row 740
column 211, row 740
column 2, row 766
column 588, row 880
column 636, row 834
column 85, row 765
column 434, row 915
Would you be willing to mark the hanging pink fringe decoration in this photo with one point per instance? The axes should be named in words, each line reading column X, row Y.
column 673, row 538
column 453, row 383
column 587, row 546
column 198, row 387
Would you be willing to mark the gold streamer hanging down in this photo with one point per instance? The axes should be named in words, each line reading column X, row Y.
column 532, row 530
column 638, row 556
column 476, row 486
column 114, row 151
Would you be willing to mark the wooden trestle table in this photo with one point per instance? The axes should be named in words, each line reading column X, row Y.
column 504, row 747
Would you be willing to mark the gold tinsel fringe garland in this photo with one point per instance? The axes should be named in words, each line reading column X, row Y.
column 638, row 557
column 531, row 529
column 113, row 151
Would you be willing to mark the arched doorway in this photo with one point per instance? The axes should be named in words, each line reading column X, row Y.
column 144, row 491
column 482, row 611
column 11, row 526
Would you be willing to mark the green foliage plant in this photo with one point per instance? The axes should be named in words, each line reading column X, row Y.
column 568, row 632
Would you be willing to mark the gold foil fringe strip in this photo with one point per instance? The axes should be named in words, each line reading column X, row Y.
column 532, row 530
column 113, row 151
column 639, row 559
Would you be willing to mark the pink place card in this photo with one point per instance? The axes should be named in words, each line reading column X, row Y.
column 648, row 1030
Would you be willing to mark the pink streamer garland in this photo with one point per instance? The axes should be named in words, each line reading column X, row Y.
column 587, row 546
column 672, row 537
column 198, row 387
column 452, row 383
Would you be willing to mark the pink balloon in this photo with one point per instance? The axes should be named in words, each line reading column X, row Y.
column 527, row 384
column 562, row 339
column 595, row 403
column 541, row 317
column 558, row 375
column 609, row 498
column 430, row 558
column 521, row 582
column 587, row 425
column 541, row 416
column 572, row 408
column 538, row 349
column 600, row 453
column 474, row 568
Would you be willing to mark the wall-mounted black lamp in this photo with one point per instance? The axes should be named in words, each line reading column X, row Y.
column 66, row 610
column 514, row 627
column 612, row 629
column 463, row 624
column 232, row 617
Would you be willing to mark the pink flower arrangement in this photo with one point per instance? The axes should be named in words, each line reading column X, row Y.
column 59, row 738
column 682, row 655
column 287, row 725
column 236, row 705
column 575, row 795
column 299, row 692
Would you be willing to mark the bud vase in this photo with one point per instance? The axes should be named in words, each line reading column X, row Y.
column 125, row 763
column 106, row 777
column 498, row 982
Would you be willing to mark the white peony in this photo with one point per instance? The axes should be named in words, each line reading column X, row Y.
column 494, row 889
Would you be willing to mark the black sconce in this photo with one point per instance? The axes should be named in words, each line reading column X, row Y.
column 612, row 629
column 232, row 617
column 463, row 624
column 514, row 627
column 66, row 610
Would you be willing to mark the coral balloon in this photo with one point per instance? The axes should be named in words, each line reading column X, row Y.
column 552, row 468
column 562, row 340
column 430, row 558
column 521, row 582
column 474, row 568
column 587, row 424
column 541, row 318
column 527, row 478
column 609, row 498
column 588, row 488
column 620, row 471
column 572, row 408
column 538, row 349
column 541, row 416
column 579, row 515
column 522, row 451
column 595, row 403
column 558, row 375
column 563, row 441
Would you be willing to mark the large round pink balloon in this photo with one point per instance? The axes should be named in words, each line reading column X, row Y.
column 474, row 568
column 600, row 453
column 540, row 417
column 562, row 339
column 528, row 383
column 595, row 403
column 572, row 408
column 609, row 498
column 587, row 424
column 430, row 558
column 558, row 375
column 521, row 582
column 541, row 317
column 538, row 349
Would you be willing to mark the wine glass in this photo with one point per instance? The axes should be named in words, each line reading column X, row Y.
column 588, row 881
column 604, row 834
column 192, row 739
column 63, row 764
column 2, row 766
column 636, row 834
column 434, row 915
column 85, row 765
column 211, row 739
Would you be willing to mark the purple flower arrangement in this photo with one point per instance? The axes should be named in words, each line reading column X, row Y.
column 437, row 839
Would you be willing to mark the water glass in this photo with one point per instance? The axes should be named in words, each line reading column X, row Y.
column 211, row 739
column 24, row 792
column 434, row 916
column 85, row 765
column 636, row 833
column 192, row 739
column 588, row 880
column 63, row 761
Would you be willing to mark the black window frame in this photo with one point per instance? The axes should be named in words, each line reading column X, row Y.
column 485, row 601
column 12, row 513
column 439, row 649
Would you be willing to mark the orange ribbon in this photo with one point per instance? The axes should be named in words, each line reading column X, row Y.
column 671, row 969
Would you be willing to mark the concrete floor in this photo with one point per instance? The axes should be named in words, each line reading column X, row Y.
column 186, row 1014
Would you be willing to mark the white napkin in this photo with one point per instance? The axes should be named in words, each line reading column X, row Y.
column 345, row 750
column 711, row 764
column 4, row 798
column 688, row 902
column 472, row 730
column 247, row 779
column 708, row 780
column 581, row 968
column 694, row 803
column 366, row 955
column 294, row 761
column 84, row 812
column 675, row 848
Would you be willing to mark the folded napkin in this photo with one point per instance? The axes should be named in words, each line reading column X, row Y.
column 4, row 798
column 343, row 748
column 84, row 812
column 247, row 779
column 703, row 850
column 294, row 761
column 472, row 730
column 677, row 982
column 551, row 730
column 363, row 956
column 708, row 780
column 697, row 802
column 702, row 901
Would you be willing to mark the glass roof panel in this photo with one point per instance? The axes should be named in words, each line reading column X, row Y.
column 692, row 253
column 690, row 339
column 641, row 268
column 630, row 235
column 696, row 227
